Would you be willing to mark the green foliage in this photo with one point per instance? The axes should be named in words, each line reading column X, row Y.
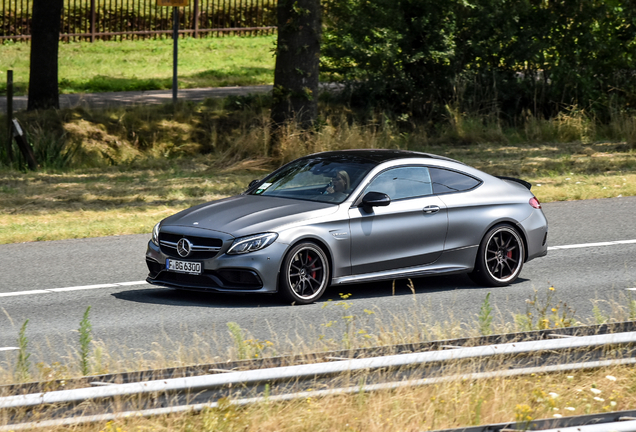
column 239, row 339
column 485, row 317
column 545, row 313
column 248, row 348
column 632, row 308
column 226, row 416
column 486, row 56
column 599, row 316
column 23, row 366
column 85, row 339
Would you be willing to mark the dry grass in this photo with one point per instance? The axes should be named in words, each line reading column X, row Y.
column 130, row 199
column 112, row 201
column 455, row 404
column 121, row 170
column 442, row 405
column 344, row 327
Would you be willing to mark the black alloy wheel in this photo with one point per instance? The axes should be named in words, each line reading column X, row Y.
column 305, row 274
column 500, row 257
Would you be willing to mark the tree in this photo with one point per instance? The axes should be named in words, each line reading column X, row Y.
column 45, row 34
column 506, row 58
column 297, row 64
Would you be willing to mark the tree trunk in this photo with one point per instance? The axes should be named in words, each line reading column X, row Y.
column 45, row 34
column 297, row 59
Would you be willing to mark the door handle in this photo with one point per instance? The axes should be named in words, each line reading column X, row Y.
column 431, row 209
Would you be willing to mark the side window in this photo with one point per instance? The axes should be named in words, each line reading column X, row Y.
column 400, row 183
column 445, row 181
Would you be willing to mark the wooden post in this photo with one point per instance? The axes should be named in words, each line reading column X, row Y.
column 9, row 114
column 175, row 52
column 93, row 20
column 195, row 17
column 24, row 146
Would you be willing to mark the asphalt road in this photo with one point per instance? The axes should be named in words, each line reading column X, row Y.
column 52, row 284
column 150, row 97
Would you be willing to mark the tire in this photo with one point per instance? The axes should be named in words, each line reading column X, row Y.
column 304, row 276
column 500, row 257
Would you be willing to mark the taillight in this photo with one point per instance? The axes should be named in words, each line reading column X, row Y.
column 535, row 203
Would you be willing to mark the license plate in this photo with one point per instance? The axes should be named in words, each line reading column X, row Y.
column 183, row 266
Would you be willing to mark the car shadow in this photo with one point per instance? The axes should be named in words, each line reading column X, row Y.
column 421, row 285
column 183, row 298
column 174, row 297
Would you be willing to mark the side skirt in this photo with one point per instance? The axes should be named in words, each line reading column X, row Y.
column 460, row 260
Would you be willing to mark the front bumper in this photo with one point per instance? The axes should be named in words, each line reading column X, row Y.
column 254, row 272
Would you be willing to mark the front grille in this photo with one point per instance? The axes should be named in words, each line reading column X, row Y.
column 207, row 280
column 241, row 277
column 153, row 267
column 188, row 279
column 202, row 247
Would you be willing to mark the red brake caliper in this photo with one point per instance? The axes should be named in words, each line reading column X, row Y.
column 313, row 274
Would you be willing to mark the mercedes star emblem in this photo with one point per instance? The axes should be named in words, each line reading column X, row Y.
column 184, row 247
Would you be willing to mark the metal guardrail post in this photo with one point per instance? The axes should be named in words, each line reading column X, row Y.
column 9, row 115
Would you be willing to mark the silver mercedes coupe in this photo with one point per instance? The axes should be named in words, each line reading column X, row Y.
column 352, row 216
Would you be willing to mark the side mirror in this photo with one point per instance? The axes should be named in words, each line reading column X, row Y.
column 252, row 183
column 375, row 199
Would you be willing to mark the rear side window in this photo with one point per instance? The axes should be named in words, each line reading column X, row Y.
column 402, row 183
column 445, row 181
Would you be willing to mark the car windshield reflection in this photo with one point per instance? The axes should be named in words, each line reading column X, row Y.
column 315, row 179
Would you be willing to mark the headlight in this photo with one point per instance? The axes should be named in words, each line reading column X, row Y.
column 252, row 243
column 155, row 234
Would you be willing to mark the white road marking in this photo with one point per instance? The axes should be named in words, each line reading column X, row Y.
column 630, row 289
column 9, row 349
column 588, row 245
column 18, row 293
column 124, row 284
column 85, row 287
column 76, row 288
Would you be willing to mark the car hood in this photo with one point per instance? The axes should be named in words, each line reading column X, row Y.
column 249, row 214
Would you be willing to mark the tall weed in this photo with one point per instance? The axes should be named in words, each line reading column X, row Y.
column 23, row 365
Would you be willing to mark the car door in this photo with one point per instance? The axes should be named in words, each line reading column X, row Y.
column 409, row 232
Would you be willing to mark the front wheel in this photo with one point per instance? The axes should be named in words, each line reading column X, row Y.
column 500, row 257
column 305, row 274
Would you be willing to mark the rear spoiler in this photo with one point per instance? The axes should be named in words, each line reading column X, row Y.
column 516, row 180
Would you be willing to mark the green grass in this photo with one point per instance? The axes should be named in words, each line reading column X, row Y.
column 106, row 66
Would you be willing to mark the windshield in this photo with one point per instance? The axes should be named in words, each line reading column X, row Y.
column 316, row 179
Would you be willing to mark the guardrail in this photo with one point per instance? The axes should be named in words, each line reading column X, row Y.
column 261, row 363
column 288, row 382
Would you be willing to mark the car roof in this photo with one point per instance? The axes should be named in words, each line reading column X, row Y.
column 377, row 155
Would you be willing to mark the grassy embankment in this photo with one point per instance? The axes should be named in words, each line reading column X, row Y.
column 135, row 166
column 118, row 171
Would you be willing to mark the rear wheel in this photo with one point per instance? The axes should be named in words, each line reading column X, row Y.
column 500, row 257
column 305, row 274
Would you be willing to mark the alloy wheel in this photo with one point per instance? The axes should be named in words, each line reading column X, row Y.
column 306, row 274
column 504, row 254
